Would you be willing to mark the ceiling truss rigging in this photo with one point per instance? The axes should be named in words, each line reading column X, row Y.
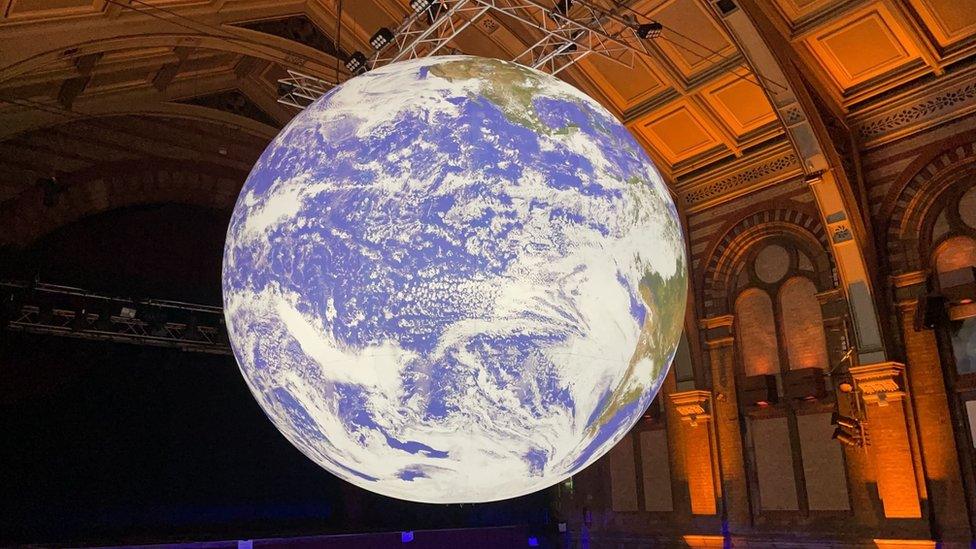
column 567, row 35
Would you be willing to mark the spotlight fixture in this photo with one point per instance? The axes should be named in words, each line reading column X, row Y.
column 419, row 6
column 844, row 421
column 432, row 7
column 649, row 30
column 845, row 438
column 843, row 424
column 381, row 39
column 356, row 63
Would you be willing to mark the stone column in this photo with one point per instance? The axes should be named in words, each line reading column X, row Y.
column 719, row 344
column 927, row 390
column 882, row 389
column 693, row 407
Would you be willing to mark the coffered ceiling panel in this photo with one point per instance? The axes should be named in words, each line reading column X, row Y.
column 625, row 87
column 692, row 41
column 864, row 45
column 796, row 11
column 949, row 21
column 680, row 99
column 678, row 131
column 740, row 103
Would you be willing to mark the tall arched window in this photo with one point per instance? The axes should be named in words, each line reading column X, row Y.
column 802, row 324
column 954, row 253
column 953, row 241
column 760, row 351
column 779, row 331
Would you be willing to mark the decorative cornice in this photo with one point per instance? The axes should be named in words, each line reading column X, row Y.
column 749, row 177
column 692, row 406
column 912, row 278
column 945, row 99
column 880, row 383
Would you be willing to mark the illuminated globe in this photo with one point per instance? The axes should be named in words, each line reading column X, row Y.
column 454, row 279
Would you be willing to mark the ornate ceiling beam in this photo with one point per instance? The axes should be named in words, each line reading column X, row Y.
column 851, row 242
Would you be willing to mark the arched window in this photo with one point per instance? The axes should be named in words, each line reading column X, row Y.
column 955, row 253
column 953, row 240
column 760, row 351
column 779, row 331
column 802, row 324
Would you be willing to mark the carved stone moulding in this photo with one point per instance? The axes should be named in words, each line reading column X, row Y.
column 880, row 383
column 693, row 406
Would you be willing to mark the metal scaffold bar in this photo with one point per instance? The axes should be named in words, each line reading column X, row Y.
column 73, row 312
column 568, row 34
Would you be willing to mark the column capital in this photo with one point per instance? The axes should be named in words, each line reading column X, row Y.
column 880, row 383
column 693, row 406
column 717, row 330
column 908, row 289
column 913, row 278
column 713, row 322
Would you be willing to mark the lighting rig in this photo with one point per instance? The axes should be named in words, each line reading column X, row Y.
column 849, row 431
column 299, row 90
column 571, row 30
column 72, row 312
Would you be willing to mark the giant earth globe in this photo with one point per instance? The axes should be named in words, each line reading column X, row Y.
column 454, row 279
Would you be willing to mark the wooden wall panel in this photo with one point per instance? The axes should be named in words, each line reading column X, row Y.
column 823, row 464
column 774, row 464
column 623, row 476
column 656, row 471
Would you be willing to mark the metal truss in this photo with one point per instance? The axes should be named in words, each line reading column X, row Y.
column 568, row 35
column 421, row 35
column 299, row 90
column 73, row 312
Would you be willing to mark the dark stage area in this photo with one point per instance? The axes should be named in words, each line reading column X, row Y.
column 112, row 443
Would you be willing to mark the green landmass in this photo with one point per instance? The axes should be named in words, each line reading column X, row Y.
column 664, row 298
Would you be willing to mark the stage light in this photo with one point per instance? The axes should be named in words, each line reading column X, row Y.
column 844, row 421
column 432, row 7
column 406, row 537
column 845, row 438
column 650, row 30
column 381, row 39
column 356, row 63
column 420, row 5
